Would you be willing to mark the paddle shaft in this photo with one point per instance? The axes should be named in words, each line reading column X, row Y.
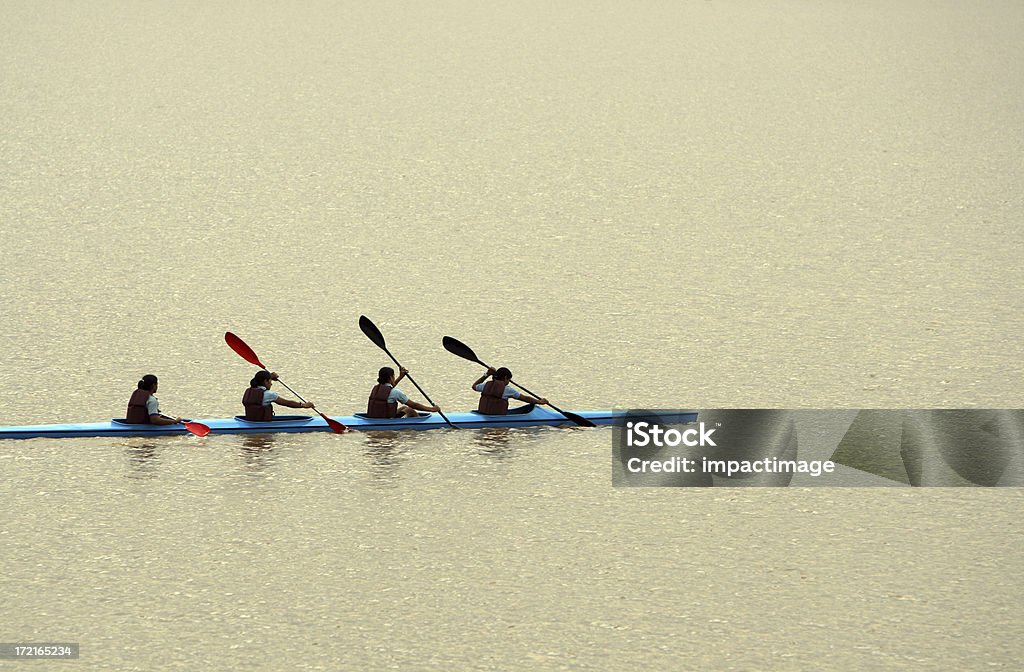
column 411, row 380
column 292, row 391
column 326, row 419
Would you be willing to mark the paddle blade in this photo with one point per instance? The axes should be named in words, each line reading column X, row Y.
column 243, row 350
column 197, row 428
column 335, row 426
column 460, row 349
column 372, row 332
column 578, row 419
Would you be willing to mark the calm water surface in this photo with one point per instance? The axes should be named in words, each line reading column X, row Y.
column 702, row 204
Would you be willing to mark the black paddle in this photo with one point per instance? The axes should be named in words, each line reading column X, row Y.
column 457, row 347
column 373, row 333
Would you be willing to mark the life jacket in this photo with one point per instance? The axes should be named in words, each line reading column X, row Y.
column 377, row 405
column 492, row 400
column 137, row 413
column 254, row 408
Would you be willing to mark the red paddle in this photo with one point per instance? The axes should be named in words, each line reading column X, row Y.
column 247, row 353
column 197, row 428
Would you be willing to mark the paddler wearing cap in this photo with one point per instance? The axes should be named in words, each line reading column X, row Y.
column 258, row 399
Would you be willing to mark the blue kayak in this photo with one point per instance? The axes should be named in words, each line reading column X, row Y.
column 524, row 416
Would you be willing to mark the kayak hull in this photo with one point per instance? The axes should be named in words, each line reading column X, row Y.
column 525, row 416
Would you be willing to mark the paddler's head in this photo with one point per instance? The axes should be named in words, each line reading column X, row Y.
column 386, row 376
column 262, row 379
column 503, row 374
column 148, row 383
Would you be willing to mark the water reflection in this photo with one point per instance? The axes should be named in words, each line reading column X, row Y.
column 142, row 459
column 386, row 450
column 502, row 442
column 495, row 442
column 389, row 451
column 258, row 453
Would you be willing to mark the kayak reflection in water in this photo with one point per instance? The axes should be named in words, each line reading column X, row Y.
column 144, row 407
column 494, row 395
column 385, row 397
column 258, row 398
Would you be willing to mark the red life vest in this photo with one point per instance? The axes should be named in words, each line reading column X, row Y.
column 377, row 405
column 254, row 408
column 137, row 413
column 492, row 400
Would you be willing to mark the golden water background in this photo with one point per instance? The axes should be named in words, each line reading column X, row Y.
column 706, row 204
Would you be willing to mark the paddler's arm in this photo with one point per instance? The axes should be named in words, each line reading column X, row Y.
column 527, row 399
column 420, row 407
column 163, row 420
column 294, row 404
column 490, row 372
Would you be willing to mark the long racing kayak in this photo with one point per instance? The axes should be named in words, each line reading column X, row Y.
column 524, row 416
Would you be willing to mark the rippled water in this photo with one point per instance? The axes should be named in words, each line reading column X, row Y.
column 697, row 205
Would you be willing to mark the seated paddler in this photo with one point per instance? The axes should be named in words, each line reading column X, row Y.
column 258, row 398
column 144, row 407
column 494, row 394
column 385, row 398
